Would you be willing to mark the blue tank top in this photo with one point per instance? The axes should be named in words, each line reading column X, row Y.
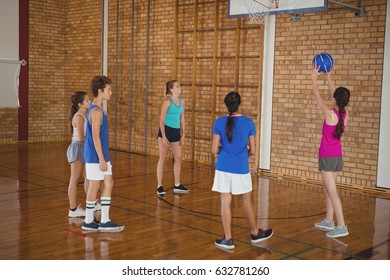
column 90, row 153
column 172, row 118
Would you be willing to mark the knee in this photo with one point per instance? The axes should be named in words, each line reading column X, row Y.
column 246, row 199
column 73, row 180
column 178, row 158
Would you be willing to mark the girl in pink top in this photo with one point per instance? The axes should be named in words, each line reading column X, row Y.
column 330, row 153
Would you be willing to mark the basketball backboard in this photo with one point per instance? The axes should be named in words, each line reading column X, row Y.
column 238, row 8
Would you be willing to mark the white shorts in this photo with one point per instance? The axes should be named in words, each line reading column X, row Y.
column 225, row 182
column 94, row 173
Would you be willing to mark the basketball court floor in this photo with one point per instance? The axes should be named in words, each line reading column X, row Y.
column 35, row 176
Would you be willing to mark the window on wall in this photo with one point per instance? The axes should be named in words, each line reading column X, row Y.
column 9, row 53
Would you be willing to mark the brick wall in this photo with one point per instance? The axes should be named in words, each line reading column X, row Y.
column 65, row 53
column 8, row 129
column 357, row 46
column 47, row 106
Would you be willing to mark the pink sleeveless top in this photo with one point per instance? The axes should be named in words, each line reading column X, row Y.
column 330, row 146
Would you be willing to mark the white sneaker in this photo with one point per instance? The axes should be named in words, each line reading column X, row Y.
column 79, row 212
column 98, row 206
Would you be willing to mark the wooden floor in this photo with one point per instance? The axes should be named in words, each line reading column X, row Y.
column 34, row 206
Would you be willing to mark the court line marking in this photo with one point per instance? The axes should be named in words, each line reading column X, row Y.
column 144, row 202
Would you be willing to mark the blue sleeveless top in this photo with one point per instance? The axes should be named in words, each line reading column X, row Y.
column 172, row 118
column 90, row 153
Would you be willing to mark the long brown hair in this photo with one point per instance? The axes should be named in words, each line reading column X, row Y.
column 76, row 98
column 168, row 86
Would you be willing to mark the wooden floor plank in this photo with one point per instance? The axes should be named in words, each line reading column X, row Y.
column 33, row 194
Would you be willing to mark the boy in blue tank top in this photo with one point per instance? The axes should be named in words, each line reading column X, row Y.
column 97, row 159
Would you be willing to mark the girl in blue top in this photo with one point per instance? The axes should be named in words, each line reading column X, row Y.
column 232, row 177
column 171, row 134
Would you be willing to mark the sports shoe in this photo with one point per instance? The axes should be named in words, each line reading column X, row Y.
column 262, row 235
column 225, row 244
column 110, row 227
column 160, row 191
column 180, row 189
column 78, row 212
column 325, row 224
column 338, row 232
column 98, row 206
column 90, row 227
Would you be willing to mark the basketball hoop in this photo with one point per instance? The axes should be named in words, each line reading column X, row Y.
column 259, row 10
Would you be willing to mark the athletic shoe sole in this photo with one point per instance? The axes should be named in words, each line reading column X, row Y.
column 223, row 246
column 262, row 239
column 76, row 216
column 338, row 235
column 324, row 227
column 116, row 229
column 89, row 229
column 180, row 191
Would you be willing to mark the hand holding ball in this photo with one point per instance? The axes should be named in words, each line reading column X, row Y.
column 324, row 62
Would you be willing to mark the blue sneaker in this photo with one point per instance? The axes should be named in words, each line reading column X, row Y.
column 90, row 227
column 225, row 244
column 110, row 227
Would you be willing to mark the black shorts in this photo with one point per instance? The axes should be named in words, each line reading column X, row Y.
column 172, row 134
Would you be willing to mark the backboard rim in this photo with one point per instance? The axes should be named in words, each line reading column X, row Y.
column 289, row 11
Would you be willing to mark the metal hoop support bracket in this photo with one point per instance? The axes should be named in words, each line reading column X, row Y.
column 360, row 10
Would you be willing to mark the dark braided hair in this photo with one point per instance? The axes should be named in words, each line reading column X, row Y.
column 232, row 102
column 77, row 98
column 341, row 95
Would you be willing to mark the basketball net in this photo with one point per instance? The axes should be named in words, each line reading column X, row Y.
column 259, row 10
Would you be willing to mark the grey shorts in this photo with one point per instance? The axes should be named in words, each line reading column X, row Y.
column 75, row 151
column 331, row 164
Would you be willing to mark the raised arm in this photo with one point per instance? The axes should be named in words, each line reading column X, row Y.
column 331, row 85
column 314, row 75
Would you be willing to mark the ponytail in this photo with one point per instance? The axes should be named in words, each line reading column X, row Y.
column 229, row 128
column 232, row 102
column 76, row 98
column 341, row 95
